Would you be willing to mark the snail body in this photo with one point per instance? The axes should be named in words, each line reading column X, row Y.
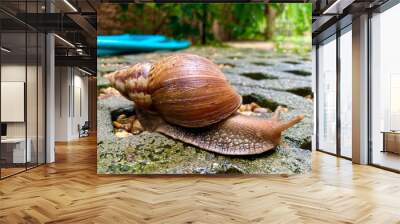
column 188, row 98
column 237, row 135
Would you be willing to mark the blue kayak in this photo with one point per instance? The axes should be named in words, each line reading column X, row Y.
column 105, row 52
column 118, row 44
column 110, row 41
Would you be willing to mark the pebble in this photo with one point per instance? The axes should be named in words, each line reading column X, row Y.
column 122, row 134
column 136, row 127
column 261, row 110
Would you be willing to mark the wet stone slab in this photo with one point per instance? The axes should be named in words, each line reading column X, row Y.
column 271, row 82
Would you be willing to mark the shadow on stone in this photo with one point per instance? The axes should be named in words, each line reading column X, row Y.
column 305, row 59
column 300, row 72
column 235, row 57
column 292, row 62
column 226, row 65
column 301, row 91
column 103, row 86
column 262, row 101
column 260, row 63
column 128, row 111
column 306, row 144
column 258, row 75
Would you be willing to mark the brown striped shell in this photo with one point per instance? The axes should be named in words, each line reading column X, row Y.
column 185, row 89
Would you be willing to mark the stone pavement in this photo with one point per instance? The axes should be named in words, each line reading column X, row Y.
column 267, row 78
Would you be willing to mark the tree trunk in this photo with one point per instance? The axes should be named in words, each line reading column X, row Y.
column 217, row 31
column 204, row 25
column 270, row 16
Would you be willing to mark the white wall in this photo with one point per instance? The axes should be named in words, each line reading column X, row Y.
column 80, row 85
column 62, row 81
column 70, row 83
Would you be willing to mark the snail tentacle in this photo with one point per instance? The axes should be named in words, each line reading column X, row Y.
column 288, row 124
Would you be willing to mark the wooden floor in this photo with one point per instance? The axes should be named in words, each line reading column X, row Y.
column 10, row 171
column 70, row 191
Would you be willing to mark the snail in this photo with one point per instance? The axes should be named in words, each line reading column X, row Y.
column 188, row 98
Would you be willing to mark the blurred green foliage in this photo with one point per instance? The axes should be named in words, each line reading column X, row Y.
column 216, row 23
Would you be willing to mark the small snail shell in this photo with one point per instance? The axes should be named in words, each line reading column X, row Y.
column 185, row 89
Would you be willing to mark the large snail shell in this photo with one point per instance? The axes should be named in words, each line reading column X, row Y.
column 185, row 89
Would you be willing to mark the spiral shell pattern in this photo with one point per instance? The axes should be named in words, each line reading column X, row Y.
column 185, row 89
column 132, row 82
